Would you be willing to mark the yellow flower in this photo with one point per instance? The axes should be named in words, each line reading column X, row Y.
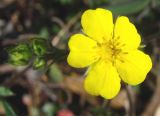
column 111, row 52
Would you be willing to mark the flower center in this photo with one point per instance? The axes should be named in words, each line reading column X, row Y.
column 112, row 50
column 115, row 47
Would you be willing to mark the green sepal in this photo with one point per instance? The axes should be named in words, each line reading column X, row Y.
column 39, row 63
column 39, row 46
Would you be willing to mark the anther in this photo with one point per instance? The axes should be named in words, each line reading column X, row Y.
column 122, row 61
column 125, row 52
column 123, row 45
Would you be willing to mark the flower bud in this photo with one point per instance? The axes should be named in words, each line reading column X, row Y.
column 20, row 54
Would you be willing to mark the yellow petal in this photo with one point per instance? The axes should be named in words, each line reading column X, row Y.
column 126, row 34
column 134, row 67
column 83, row 51
column 98, row 24
column 102, row 80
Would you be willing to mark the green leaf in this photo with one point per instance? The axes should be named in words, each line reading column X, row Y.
column 4, row 92
column 129, row 7
column 95, row 3
column 55, row 74
column 56, row 28
column 157, row 2
column 114, row 2
column 49, row 109
column 65, row 2
column 8, row 109
column 44, row 32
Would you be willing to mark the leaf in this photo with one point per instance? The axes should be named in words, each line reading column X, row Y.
column 4, row 92
column 55, row 74
column 8, row 109
column 114, row 2
column 129, row 7
column 157, row 2
column 49, row 109
column 65, row 2
column 44, row 32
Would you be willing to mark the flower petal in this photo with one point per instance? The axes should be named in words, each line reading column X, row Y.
column 126, row 33
column 134, row 67
column 102, row 80
column 83, row 51
column 98, row 24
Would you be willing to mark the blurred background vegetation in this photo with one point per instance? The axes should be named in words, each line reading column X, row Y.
column 47, row 86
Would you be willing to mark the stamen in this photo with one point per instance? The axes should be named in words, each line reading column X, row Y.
column 121, row 60
column 123, row 45
column 118, row 43
column 112, row 49
column 124, row 52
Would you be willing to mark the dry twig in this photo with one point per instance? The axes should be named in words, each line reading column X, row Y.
column 154, row 102
column 131, row 99
column 64, row 30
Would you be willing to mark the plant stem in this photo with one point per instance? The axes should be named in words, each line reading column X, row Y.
column 131, row 100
